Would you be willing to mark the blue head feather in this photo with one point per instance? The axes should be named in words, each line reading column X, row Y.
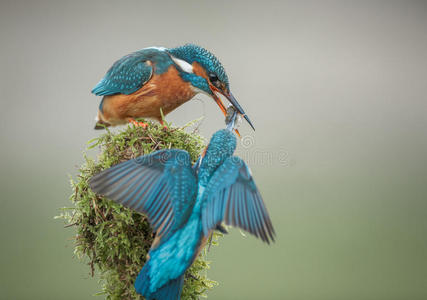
column 197, row 81
column 193, row 53
column 221, row 146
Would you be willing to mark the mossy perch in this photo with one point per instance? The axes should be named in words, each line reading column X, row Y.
column 114, row 238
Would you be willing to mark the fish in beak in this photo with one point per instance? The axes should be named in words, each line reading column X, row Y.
column 232, row 100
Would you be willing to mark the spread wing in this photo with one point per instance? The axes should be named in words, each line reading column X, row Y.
column 232, row 196
column 161, row 185
column 126, row 76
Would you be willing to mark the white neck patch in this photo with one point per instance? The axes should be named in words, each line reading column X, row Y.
column 185, row 66
column 156, row 48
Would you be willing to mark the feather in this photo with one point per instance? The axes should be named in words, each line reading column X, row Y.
column 131, row 72
column 231, row 196
column 148, row 184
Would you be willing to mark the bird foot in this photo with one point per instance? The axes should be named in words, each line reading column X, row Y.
column 138, row 124
column 165, row 127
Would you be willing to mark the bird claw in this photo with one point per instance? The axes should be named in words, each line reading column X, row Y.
column 165, row 127
column 138, row 124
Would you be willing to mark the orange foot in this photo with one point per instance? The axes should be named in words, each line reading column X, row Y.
column 138, row 124
column 165, row 127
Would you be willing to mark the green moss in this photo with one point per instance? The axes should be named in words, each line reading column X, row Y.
column 115, row 240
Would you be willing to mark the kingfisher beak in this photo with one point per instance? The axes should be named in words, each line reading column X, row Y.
column 236, row 104
column 233, row 102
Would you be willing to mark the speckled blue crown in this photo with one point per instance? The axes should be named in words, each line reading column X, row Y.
column 191, row 53
column 221, row 146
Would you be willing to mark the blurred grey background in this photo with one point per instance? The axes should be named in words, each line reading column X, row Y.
column 337, row 93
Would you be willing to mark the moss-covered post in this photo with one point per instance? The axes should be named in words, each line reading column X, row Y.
column 115, row 240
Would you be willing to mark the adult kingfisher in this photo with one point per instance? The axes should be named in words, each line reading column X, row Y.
column 184, row 204
column 156, row 80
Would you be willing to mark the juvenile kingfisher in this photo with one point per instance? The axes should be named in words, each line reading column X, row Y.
column 154, row 79
column 184, row 204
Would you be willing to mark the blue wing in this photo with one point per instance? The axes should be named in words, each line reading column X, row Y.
column 161, row 185
column 126, row 76
column 232, row 196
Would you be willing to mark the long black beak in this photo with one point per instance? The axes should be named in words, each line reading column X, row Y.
column 236, row 104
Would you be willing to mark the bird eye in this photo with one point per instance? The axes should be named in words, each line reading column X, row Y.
column 214, row 79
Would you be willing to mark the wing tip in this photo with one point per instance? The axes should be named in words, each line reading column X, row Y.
column 271, row 237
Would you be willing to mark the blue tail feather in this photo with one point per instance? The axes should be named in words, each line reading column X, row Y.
column 142, row 282
column 169, row 291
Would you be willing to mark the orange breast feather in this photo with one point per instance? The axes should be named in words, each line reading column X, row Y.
column 166, row 91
